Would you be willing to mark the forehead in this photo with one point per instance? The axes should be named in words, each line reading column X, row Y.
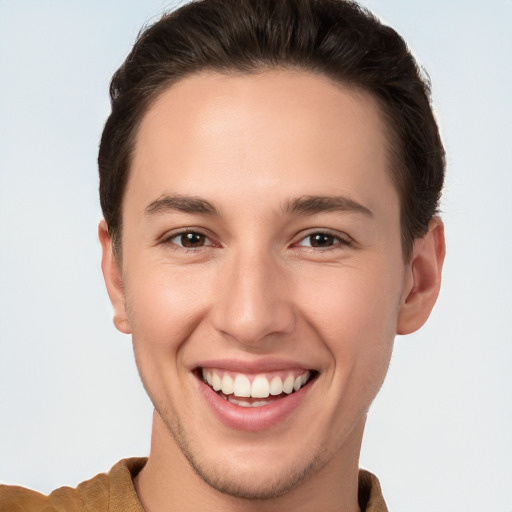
column 282, row 128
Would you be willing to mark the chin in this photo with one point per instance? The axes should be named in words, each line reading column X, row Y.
column 253, row 483
column 256, row 473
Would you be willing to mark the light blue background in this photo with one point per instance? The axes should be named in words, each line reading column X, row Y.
column 439, row 435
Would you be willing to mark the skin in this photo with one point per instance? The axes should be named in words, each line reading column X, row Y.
column 256, row 286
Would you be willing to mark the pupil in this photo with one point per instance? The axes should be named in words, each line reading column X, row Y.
column 192, row 239
column 321, row 240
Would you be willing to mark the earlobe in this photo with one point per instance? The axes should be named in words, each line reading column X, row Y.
column 424, row 279
column 113, row 279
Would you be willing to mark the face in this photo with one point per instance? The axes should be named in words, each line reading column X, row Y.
column 262, row 275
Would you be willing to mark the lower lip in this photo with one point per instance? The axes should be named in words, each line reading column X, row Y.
column 252, row 419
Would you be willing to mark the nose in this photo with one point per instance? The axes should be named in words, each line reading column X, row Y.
column 253, row 300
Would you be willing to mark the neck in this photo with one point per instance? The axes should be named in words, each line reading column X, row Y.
column 168, row 483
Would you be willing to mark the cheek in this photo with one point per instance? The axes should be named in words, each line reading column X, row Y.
column 352, row 303
column 165, row 306
column 355, row 314
column 164, row 309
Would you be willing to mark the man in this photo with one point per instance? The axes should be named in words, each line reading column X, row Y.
column 269, row 178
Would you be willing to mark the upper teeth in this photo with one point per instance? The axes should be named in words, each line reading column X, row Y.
column 260, row 387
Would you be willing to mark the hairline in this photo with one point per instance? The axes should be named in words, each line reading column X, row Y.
column 392, row 140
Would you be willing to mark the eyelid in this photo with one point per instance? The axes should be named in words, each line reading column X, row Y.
column 170, row 235
column 343, row 239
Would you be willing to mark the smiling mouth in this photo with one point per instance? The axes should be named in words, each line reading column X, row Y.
column 255, row 390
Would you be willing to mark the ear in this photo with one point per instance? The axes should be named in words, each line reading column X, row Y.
column 113, row 279
column 423, row 280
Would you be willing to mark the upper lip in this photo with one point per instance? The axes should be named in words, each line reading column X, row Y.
column 255, row 366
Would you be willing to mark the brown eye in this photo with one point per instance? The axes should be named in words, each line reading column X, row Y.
column 190, row 240
column 322, row 241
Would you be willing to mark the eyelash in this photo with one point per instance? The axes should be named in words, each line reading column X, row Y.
column 337, row 241
column 168, row 240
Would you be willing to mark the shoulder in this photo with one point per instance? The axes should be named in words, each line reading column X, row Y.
column 89, row 496
column 19, row 499
column 112, row 492
column 370, row 493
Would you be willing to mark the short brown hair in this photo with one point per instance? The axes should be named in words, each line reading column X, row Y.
column 336, row 38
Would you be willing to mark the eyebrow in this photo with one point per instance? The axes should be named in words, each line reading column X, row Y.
column 307, row 205
column 310, row 205
column 186, row 204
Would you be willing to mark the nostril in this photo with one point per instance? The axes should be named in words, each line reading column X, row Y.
column 252, row 306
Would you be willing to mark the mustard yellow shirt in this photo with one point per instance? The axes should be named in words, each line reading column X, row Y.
column 114, row 492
